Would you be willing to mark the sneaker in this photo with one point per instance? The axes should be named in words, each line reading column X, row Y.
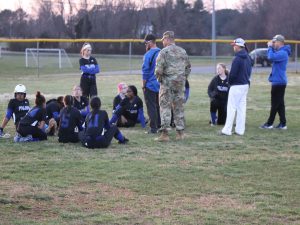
column 28, row 138
column 151, row 131
column 124, row 142
column 220, row 133
column 4, row 135
column 266, row 126
column 17, row 137
column 281, row 127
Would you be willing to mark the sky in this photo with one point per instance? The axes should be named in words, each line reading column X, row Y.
column 28, row 5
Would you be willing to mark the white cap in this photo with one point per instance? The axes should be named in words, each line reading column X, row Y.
column 239, row 42
column 20, row 88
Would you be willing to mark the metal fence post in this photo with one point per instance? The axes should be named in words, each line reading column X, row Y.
column 255, row 57
column 296, row 57
column 38, row 58
column 130, row 56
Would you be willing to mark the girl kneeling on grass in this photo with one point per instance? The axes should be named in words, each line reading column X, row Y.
column 31, row 126
column 218, row 94
column 70, row 122
column 98, row 133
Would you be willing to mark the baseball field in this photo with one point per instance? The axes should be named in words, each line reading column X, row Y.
column 205, row 179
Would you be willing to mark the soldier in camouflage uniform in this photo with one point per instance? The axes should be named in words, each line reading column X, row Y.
column 172, row 69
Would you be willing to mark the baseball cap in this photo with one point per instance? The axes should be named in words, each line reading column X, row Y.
column 149, row 37
column 168, row 34
column 239, row 42
column 278, row 37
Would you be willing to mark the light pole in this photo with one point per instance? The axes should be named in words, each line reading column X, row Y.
column 213, row 35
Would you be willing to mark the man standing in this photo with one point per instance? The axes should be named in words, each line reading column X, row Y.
column 150, row 83
column 239, row 80
column 278, row 53
column 172, row 69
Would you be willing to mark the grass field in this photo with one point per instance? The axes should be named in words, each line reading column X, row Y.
column 14, row 63
column 205, row 179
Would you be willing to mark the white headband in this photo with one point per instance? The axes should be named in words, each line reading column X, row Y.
column 86, row 47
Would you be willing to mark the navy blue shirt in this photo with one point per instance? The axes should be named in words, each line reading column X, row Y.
column 96, row 123
column 70, row 118
column 240, row 72
column 17, row 109
column 34, row 116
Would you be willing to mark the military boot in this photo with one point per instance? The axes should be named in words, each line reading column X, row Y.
column 179, row 135
column 164, row 137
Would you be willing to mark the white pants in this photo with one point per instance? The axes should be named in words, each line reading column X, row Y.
column 237, row 102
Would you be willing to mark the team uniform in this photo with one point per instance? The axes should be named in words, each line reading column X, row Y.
column 17, row 110
column 131, row 110
column 53, row 109
column 117, row 101
column 218, row 94
column 70, row 119
column 89, row 68
column 82, row 105
column 29, row 124
column 98, row 133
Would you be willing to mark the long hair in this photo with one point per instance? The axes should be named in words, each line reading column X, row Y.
column 223, row 65
column 39, row 99
column 95, row 105
column 68, row 101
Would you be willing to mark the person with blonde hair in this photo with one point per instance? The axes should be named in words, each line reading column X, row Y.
column 80, row 102
column 218, row 94
column 89, row 68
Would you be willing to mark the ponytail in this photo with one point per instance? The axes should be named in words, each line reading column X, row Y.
column 68, row 101
column 39, row 99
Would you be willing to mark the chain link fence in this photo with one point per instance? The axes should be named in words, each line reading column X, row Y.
column 122, row 56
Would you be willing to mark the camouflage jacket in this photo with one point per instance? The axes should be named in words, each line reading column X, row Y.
column 172, row 63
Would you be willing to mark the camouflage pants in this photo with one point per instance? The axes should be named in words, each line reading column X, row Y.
column 172, row 97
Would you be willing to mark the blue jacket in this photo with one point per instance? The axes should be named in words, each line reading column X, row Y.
column 240, row 72
column 280, row 59
column 148, row 68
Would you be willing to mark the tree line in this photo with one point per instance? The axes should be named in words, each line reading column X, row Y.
column 255, row 19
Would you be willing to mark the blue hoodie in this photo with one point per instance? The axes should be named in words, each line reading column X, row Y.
column 148, row 69
column 241, row 68
column 280, row 59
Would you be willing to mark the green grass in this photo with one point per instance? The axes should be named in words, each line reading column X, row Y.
column 108, row 63
column 205, row 179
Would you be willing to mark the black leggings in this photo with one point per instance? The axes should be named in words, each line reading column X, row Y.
column 34, row 131
column 100, row 141
column 220, row 107
column 277, row 104
column 88, row 86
